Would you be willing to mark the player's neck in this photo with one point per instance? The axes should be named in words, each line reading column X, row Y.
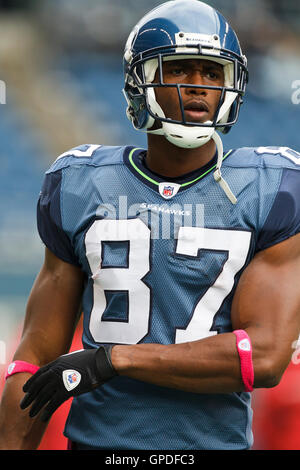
column 167, row 159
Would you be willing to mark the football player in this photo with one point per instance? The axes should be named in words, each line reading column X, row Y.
column 185, row 260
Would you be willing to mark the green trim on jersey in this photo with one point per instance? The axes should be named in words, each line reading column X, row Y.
column 156, row 182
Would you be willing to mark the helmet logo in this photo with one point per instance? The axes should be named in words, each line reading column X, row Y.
column 205, row 40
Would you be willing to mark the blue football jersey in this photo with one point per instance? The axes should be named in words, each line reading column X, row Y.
column 162, row 258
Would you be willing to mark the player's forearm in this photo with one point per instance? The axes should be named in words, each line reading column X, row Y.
column 207, row 366
column 17, row 430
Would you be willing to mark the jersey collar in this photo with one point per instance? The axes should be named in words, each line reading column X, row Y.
column 134, row 160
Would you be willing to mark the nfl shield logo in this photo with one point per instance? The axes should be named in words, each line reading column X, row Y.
column 72, row 378
column 168, row 190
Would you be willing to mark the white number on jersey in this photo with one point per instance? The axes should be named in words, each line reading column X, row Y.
column 120, row 279
column 283, row 151
column 91, row 148
column 236, row 243
column 190, row 241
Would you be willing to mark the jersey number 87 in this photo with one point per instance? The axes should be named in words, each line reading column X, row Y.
column 130, row 279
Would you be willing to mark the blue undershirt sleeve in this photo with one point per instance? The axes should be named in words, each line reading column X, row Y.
column 283, row 220
column 49, row 221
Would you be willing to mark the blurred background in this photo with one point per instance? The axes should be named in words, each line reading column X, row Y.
column 61, row 86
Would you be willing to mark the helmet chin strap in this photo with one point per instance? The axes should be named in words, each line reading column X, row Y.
column 196, row 141
column 217, row 174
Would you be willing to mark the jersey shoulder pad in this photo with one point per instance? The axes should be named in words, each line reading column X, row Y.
column 88, row 154
column 262, row 157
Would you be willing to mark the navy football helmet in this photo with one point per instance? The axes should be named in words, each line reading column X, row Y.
column 181, row 29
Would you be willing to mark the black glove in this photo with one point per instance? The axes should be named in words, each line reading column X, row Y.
column 68, row 376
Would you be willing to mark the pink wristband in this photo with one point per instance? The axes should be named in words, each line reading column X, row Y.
column 244, row 347
column 20, row 366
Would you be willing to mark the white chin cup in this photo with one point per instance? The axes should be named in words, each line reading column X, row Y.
column 184, row 136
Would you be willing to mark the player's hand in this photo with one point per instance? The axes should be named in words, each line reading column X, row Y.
column 68, row 376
